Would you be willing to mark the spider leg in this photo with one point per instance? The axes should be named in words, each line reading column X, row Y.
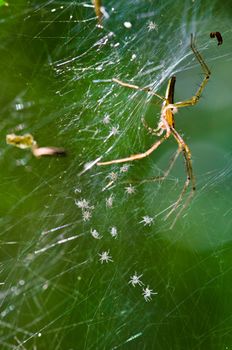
column 190, row 177
column 139, row 155
column 157, row 131
column 172, row 162
column 136, row 87
column 158, row 178
column 194, row 99
column 167, row 171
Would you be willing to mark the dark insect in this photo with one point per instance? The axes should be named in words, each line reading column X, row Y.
column 218, row 36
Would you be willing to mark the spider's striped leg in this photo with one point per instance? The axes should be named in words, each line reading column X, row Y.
column 157, row 131
column 136, row 87
column 139, row 155
column 172, row 162
column 190, row 177
column 194, row 99
column 156, row 178
column 166, row 172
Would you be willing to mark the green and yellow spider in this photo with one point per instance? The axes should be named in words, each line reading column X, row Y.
column 167, row 123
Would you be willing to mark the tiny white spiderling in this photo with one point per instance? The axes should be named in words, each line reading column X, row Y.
column 114, row 130
column 106, row 119
column 105, row 257
column 147, row 220
column 112, row 176
column 86, row 215
column 124, row 168
column 135, row 279
column 114, row 232
column 109, row 201
column 152, row 26
column 82, row 203
column 147, row 293
column 95, row 234
column 130, row 189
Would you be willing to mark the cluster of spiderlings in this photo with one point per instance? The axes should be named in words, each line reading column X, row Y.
column 146, row 292
column 112, row 231
column 113, row 176
column 112, row 130
column 85, row 207
column 105, row 255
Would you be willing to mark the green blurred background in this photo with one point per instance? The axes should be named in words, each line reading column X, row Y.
column 55, row 293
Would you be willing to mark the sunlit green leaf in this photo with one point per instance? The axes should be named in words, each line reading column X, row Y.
column 3, row 3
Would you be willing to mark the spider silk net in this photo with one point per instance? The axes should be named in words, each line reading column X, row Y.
column 75, row 235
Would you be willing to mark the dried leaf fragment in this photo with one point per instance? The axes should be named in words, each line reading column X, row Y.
column 24, row 141
column 48, row 151
column 27, row 141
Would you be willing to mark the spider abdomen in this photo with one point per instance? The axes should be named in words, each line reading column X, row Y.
column 169, row 117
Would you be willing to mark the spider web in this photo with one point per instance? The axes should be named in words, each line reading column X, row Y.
column 62, row 216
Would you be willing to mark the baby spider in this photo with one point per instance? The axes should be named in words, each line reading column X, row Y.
column 167, row 125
